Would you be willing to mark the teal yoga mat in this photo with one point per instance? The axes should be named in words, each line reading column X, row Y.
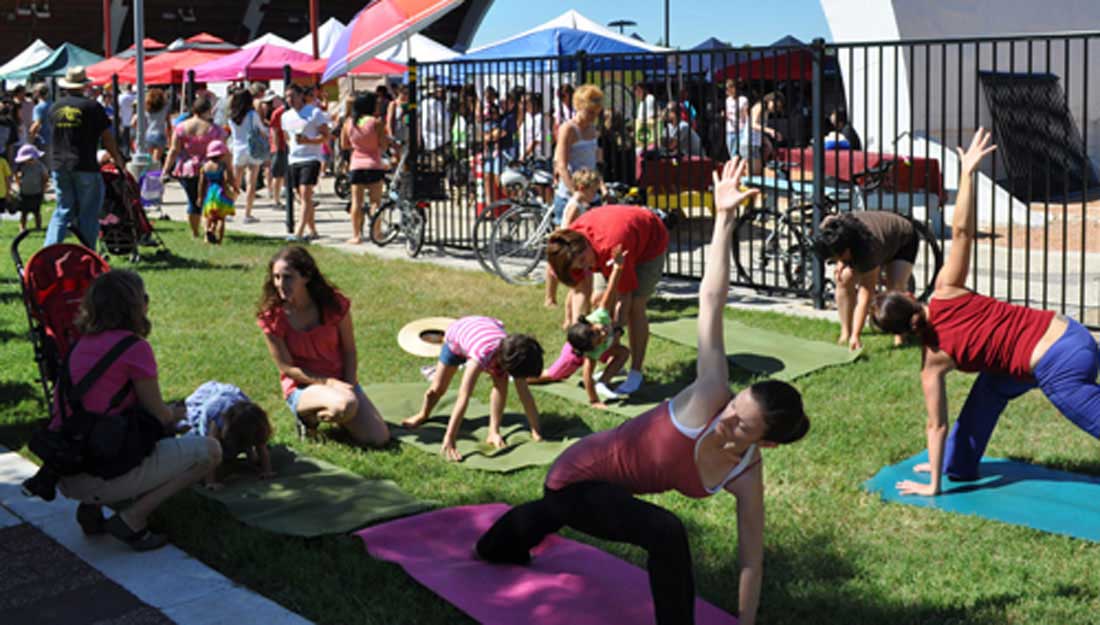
column 1008, row 491
column 397, row 401
column 780, row 356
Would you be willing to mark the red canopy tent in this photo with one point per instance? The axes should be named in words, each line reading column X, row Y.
column 171, row 67
column 785, row 65
column 101, row 72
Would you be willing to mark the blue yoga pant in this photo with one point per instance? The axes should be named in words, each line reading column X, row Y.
column 1067, row 375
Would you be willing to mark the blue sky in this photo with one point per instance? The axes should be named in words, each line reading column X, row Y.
column 741, row 22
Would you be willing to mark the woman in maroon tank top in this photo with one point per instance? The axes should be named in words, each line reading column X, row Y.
column 706, row 439
column 1013, row 348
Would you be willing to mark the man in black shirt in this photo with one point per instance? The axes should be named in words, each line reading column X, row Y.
column 79, row 124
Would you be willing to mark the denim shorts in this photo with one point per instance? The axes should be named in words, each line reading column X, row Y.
column 449, row 358
column 296, row 396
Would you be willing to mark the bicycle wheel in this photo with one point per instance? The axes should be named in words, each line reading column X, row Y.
column 771, row 252
column 413, row 223
column 483, row 226
column 385, row 224
column 929, row 262
column 341, row 185
column 517, row 244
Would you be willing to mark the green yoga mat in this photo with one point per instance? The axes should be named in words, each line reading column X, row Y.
column 779, row 356
column 398, row 401
column 310, row 497
column 644, row 399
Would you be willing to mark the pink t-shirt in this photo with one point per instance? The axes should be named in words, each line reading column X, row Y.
column 316, row 351
column 477, row 338
column 193, row 150
column 136, row 363
column 366, row 146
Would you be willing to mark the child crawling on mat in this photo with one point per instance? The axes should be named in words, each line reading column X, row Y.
column 593, row 338
column 482, row 343
column 223, row 412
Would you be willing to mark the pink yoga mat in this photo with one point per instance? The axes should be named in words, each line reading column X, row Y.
column 566, row 583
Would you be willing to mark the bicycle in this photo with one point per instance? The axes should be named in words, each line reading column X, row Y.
column 517, row 241
column 524, row 183
column 775, row 239
column 400, row 215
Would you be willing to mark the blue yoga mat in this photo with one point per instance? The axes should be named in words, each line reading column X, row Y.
column 1008, row 491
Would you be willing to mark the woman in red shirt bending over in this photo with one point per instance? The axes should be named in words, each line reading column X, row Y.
column 704, row 440
column 1012, row 348
column 307, row 325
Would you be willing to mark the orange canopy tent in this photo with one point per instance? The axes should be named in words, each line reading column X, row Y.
column 170, row 67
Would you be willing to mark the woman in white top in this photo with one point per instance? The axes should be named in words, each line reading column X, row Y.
column 243, row 121
column 534, row 135
column 737, row 116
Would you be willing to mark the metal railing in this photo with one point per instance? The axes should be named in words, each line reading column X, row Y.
column 665, row 128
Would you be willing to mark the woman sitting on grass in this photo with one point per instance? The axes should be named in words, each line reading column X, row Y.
column 482, row 345
column 1012, row 348
column 704, row 440
column 114, row 310
column 307, row 325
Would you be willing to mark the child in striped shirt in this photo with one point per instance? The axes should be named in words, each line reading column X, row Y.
column 482, row 343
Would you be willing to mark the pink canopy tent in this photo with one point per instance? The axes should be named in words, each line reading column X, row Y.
column 370, row 67
column 260, row 63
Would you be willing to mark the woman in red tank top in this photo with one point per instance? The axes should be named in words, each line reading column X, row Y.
column 1013, row 348
column 704, row 440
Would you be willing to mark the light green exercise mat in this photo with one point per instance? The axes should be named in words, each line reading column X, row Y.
column 310, row 497
column 644, row 399
column 399, row 401
column 780, row 356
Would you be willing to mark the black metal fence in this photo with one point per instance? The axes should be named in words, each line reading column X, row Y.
column 826, row 127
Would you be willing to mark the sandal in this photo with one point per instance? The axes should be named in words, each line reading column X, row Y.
column 90, row 518
column 140, row 540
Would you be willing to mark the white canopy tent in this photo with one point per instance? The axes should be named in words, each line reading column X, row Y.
column 272, row 39
column 327, row 36
column 573, row 19
column 31, row 55
column 424, row 50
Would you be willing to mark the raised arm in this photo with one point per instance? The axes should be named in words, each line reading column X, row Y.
column 963, row 222
column 711, row 368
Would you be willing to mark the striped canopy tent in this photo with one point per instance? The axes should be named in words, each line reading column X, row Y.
column 60, row 60
column 379, row 26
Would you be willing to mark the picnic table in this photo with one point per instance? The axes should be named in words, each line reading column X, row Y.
column 915, row 174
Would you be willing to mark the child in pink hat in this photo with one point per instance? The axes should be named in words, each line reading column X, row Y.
column 218, row 190
column 33, row 179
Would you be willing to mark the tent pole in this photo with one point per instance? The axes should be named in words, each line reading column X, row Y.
column 106, row 28
column 313, row 28
column 141, row 159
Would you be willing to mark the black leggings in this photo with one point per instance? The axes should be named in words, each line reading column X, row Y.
column 610, row 512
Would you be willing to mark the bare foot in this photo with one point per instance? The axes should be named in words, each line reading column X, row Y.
column 843, row 340
column 535, row 436
column 549, row 302
column 450, row 453
column 496, row 441
column 414, row 421
column 899, row 340
column 355, row 240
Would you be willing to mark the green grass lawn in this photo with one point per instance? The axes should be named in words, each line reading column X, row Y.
column 834, row 553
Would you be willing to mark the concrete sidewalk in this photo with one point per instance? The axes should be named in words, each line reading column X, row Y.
column 51, row 573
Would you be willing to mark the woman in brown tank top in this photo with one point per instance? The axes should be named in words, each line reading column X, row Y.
column 1013, row 348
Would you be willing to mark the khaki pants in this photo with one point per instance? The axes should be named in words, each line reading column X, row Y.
column 171, row 457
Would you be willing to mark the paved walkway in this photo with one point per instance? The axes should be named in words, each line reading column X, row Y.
column 51, row 573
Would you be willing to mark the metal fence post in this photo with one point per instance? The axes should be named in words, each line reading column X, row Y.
column 413, row 128
column 818, row 115
column 579, row 71
column 116, row 114
column 288, row 179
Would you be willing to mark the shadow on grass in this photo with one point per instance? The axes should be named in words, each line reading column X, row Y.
column 812, row 580
column 16, row 435
column 660, row 309
column 167, row 261
column 7, row 335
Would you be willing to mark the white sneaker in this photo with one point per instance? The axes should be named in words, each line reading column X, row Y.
column 606, row 393
column 633, row 382
column 428, row 371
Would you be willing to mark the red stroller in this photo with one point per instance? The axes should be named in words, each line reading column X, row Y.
column 123, row 225
column 53, row 282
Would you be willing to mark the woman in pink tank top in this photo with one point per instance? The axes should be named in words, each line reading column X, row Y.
column 365, row 135
column 1013, row 348
column 705, row 439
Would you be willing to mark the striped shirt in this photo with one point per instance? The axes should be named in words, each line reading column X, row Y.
column 477, row 338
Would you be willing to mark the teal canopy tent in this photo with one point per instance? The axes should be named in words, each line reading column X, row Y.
column 56, row 64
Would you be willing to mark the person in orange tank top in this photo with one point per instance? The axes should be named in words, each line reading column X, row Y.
column 704, row 440
column 1012, row 348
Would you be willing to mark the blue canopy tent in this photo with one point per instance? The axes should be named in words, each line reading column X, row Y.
column 565, row 43
column 702, row 63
